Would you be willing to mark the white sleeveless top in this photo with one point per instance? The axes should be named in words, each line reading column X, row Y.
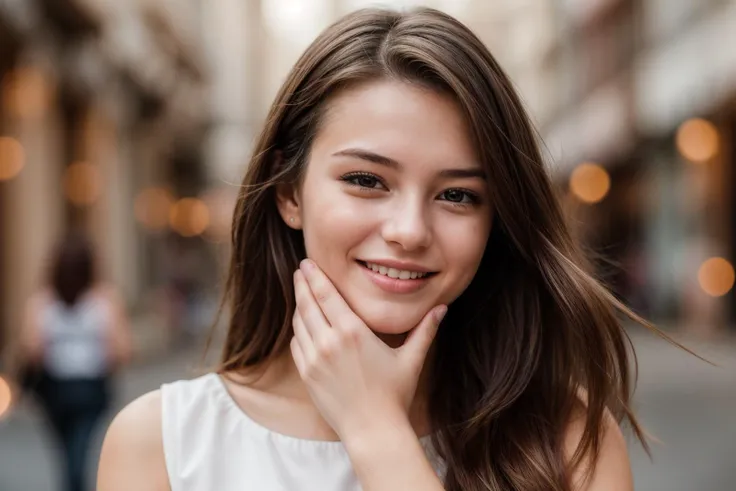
column 75, row 337
column 211, row 444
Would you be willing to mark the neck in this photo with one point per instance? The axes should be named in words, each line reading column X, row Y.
column 392, row 340
column 281, row 377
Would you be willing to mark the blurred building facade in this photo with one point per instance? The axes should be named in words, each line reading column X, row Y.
column 654, row 87
column 99, row 101
column 134, row 120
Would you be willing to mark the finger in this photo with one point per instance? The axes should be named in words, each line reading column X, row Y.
column 417, row 344
column 335, row 308
column 311, row 315
column 298, row 355
column 301, row 335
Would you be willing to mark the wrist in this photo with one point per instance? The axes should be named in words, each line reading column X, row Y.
column 376, row 431
column 390, row 448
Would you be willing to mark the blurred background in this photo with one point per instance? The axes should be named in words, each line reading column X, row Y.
column 134, row 121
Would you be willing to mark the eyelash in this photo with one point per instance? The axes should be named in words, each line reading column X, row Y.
column 350, row 179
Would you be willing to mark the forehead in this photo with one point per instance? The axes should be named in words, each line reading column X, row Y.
column 405, row 122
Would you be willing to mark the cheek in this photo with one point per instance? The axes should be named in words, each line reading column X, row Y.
column 333, row 224
column 464, row 256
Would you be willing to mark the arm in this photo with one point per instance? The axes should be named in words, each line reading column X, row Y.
column 133, row 453
column 389, row 457
column 363, row 388
column 120, row 344
column 612, row 471
column 31, row 342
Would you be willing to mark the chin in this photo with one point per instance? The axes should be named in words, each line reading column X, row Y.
column 393, row 321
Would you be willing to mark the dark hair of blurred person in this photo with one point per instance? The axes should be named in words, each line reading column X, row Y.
column 73, row 269
column 75, row 336
column 399, row 159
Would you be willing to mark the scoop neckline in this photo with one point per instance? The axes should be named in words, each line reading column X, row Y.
column 243, row 415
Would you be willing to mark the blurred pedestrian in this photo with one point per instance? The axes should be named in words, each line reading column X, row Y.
column 75, row 336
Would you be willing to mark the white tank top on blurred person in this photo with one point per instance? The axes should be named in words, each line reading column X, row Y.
column 211, row 444
column 75, row 337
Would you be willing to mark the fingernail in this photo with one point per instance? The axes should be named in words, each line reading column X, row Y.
column 307, row 265
column 440, row 312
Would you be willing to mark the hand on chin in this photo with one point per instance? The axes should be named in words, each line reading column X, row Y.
column 345, row 366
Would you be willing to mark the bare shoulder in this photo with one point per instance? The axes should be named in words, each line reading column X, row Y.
column 612, row 470
column 133, row 453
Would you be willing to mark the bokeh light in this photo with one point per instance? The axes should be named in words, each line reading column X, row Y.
column 152, row 208
column 26, row 93
column 12, row 158
column 716, row 276
column 590, row 183
column 82, row 183
column 697, row 140
column 6, row 397
column 221, row 203
column 189, row 217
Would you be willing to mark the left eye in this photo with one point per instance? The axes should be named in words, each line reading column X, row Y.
column 458, row 196
column 363, row 180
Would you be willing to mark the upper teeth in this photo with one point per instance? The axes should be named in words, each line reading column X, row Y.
column 395, row 273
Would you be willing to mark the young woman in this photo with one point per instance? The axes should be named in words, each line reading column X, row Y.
column 407, row 308
column 74, row 337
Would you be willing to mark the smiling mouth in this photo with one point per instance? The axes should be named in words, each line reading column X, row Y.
column 398, row 274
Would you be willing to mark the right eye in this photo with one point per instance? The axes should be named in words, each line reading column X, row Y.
column 363, row 180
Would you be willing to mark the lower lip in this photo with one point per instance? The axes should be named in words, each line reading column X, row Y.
column 395, row 285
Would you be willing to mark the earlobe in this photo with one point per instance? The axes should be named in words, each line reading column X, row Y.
column 287, row 201
column 287, row 197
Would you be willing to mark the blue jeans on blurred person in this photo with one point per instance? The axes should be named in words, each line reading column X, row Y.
column 74, row 408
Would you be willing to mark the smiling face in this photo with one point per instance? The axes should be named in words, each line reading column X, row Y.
column 394, row 206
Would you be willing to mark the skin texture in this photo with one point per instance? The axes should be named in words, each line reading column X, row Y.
column 349, row 372
column 354, row 369
column 407, row 214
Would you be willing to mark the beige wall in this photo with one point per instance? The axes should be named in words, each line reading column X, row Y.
column 33, row 215
column 238, row 55
column 111, row 223
column 129, row 154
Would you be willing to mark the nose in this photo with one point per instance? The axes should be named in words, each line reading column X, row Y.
column 407, row 226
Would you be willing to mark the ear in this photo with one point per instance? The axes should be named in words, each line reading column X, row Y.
column 288, row 202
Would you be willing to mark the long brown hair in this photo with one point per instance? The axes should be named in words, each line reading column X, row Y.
column 532, row 331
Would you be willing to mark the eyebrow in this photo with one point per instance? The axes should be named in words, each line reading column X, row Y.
column 357, row 153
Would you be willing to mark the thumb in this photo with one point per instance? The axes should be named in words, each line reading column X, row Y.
column 420, row 338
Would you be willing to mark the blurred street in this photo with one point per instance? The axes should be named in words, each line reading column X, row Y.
column 689, row 407
column 685, row 403
column 27, row 461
